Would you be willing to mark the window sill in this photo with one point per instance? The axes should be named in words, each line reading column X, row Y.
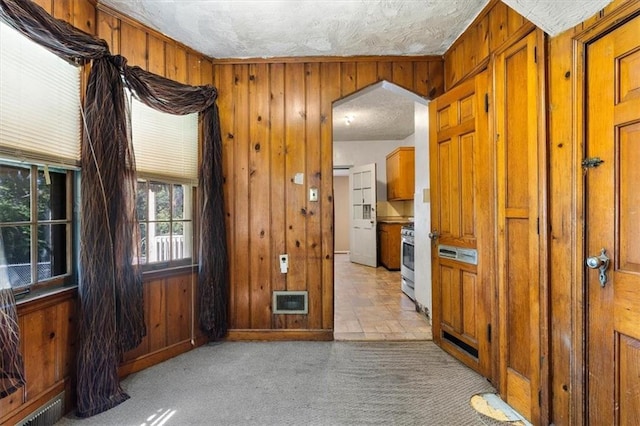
column 43, row 297
column 168, row 272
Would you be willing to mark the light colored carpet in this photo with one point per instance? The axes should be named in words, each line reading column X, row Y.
column 301, row 383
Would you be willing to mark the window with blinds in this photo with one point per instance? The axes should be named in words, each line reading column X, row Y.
column 165, row 145
column 166, row 152
column 40, row 136
column 39, row 103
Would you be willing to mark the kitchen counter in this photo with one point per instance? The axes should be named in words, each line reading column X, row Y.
column 394, row 219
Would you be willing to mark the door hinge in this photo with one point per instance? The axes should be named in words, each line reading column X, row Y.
column 538, row 225
column 535, row 54
column 489, row 333
column 539, row 397
column 590, row 163
column 486, row 102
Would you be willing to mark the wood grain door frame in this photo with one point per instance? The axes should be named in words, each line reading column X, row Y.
column 581, row 40
column 540, row 411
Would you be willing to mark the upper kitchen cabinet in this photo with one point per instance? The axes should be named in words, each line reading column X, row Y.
column 401, row 174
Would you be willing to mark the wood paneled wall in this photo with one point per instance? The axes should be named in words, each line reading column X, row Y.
column 495, row 27
column 47, row 325
column 276, row 119
column 47, row 341
column 566, row 215
column 151, row 50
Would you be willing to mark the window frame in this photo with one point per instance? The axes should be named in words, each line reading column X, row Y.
column 171, row 264
column 71, row 221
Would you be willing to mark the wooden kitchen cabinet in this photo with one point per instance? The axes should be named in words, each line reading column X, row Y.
column 389, row 244
column 401, row 174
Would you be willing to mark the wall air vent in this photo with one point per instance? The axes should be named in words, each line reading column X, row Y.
column 46, row 415
column 290, row 302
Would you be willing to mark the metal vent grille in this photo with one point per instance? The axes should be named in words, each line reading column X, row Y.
column 46, row 415
column 290, row 302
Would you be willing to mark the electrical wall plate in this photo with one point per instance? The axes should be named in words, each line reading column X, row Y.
column 313, row 194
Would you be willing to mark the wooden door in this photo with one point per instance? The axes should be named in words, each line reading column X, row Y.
column 519, row 191
column 613, row 224
column 461, row 310
column 362, row 244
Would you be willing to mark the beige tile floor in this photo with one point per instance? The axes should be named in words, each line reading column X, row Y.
column 369, row 305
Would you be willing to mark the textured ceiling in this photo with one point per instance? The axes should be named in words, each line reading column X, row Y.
column 274, row 28
column 382, row 111
column 555, row 16
column 286, row 28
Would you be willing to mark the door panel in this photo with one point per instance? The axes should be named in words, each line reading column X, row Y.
column 518, row 189
column 613, row 224
column 363, row 242
column 460, row 307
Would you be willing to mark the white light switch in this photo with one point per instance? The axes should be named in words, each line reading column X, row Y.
column 313, row 194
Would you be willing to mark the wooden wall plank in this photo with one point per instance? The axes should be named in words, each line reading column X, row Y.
column 421, row 76
column 493, row 27
column 277, row 182
column 514, row 21
column 482, row 40
column 157, row 316
column 385, row 71
column 260, row 255
column 436, row 79
column 366, row 74
column 296, row 143
column 156, row 56
column 224, row 79
column 67, row 337
column 40, row 354
column 46, row 5
column 193, row 69
column 330, row 83
column 63, row 9
column 499, row 25
column 403, row 74
column 314, row 180
column 206, row 72
column 133, row 45
column 242, row 198
column 179, row 313
column 348, row 77
column 84, row 16
column 108, row 28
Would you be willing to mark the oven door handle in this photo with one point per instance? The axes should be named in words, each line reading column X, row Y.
column 433, row 235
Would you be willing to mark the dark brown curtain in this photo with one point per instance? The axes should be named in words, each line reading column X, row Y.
column 175, row 98
column 11, row 364
column 111, row 319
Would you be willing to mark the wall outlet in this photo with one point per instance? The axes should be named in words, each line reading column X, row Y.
column 284, row 263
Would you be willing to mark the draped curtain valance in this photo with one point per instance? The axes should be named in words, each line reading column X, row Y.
column 111, row 319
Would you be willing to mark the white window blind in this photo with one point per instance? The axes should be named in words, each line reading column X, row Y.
column 165, row 145
column 39, row 102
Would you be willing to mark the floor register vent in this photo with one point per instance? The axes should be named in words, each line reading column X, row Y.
column 290, row 302
column 46, row 415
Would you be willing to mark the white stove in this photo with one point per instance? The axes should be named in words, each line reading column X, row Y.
column 407, row 259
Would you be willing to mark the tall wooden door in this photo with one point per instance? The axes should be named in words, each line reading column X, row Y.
column 461, row 312
column 519, row 192
column 363, row 247
column 613, row 227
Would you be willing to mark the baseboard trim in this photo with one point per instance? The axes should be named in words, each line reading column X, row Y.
column 153, row 358
column 280, row 335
